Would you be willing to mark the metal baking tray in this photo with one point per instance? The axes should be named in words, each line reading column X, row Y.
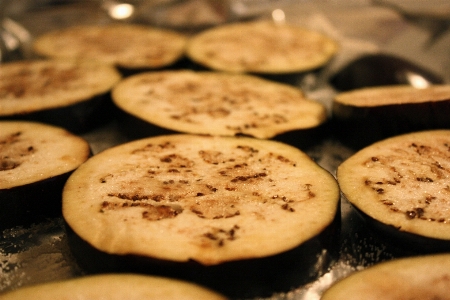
column 40, row 253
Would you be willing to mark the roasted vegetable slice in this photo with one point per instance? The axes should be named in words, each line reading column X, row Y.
column 217, row 104
column 261, row 47
column 127, row 46
column 366, row 115
column 204, row 207
column 115, row 286
column 66, row 93
column 36, row 160
column 423, row 277
column 400, row 185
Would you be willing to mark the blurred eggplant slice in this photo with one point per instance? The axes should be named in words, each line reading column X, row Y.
column 383, row 69
column 115, row 286
column 423, row 277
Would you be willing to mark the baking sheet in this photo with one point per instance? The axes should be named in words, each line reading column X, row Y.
column 41, row 253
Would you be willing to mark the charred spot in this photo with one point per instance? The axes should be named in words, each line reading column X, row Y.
column 211, row 188
column 424, row 179
column 420, row 149
column 156, row 148
column 248, row 149
column 8, row 164
column 287, row 207
column 168, row 159
column 415, row 213
column 10, row 139
column 438, row 165
column 429, row 199
column 156, row 213
column 239, row 178
column 240, row 166
column 143, row 149
column 220, row 235
column 245, row 178
column 374, row 158
column 379, row 190
column 136, row 197
column 199, row 213
column 283, row 159
column 387, row 202
column 210, row 236
column 158, row 198
column 410, row 214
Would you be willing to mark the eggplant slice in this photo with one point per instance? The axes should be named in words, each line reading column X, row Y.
column 115, row 286
column 423, row 277
column 126, row 46
column 204, row 208
column 65, row 93
column 36, row 160
column 400, row 186
column 261, row 47
column 216, row 103
column 363, row 116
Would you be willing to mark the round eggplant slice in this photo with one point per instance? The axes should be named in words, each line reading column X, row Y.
column 227, row 212
column 422, row 277
column 36, row 160
column 400, row 187
column 261, row 47
column 217, row 104
column 69, row 94
column 127, row 46
column 366, row 115
column 115, row 286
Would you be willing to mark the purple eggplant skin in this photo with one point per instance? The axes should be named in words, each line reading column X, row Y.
column 359, row 127
column 77, row 118
column 28, row 204
column 406, row 241
column 31, row 203
column 382, row 69
column 249, row 278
